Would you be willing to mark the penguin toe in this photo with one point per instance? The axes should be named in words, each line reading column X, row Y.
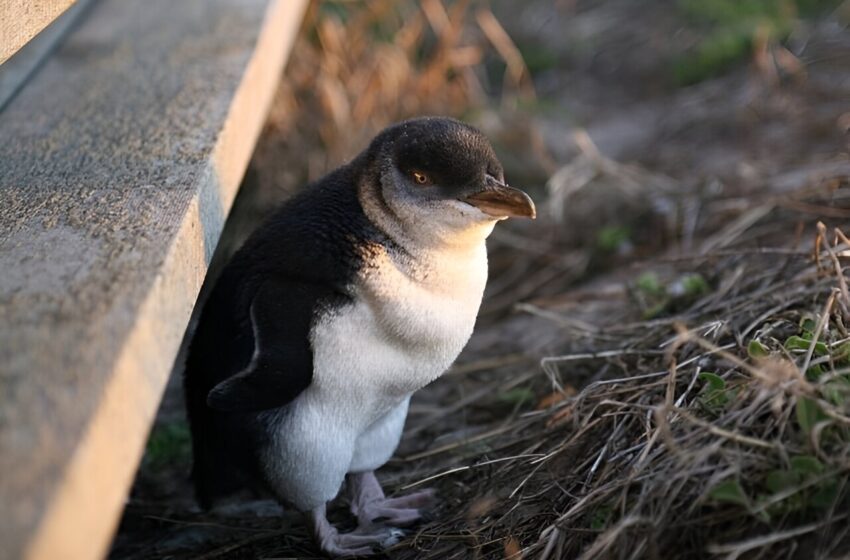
column 397, row 517
column 401, row 511
column 352, row 545
column 422, row 499
column 361, row 542
column 335, row 551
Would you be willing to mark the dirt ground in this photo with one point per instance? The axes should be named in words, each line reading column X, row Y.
column 679, row 193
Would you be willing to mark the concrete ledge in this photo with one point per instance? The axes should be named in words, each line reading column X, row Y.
column 21, row 20
column 15, row 71
column 119, row 162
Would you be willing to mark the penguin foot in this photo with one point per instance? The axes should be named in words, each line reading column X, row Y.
column 423, row 499
column 370, row 505
column 360, row 542
column 401, row 511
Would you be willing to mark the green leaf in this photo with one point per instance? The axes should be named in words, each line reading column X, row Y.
column 826, row 495
column 814, row 372
column 796, row 343
column 842, row 353
column 808, row 325
column 169, row 444
column 756, row 349
column 808, row 413
column 517, row 395
column 538, row 58
column 695, row 285
column 806, row 465
column 714, row 393
column 729, row 491
column 837, row 391
column 610, row 238
column 714, row 381
column 656, row 310
column 777, row 481
column 648, row 283
column 766, row 513
column 800, row 343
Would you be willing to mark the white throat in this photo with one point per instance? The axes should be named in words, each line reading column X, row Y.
column 450, row 227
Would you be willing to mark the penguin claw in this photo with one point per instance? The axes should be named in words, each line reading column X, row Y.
column 359, row 542
column 395, row 536
column 335, row 551
column 371, row 507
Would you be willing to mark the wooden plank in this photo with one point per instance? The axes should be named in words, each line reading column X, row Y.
column 118, row 164
column 21, row 20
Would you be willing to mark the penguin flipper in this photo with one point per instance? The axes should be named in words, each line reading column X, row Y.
column 282, row 366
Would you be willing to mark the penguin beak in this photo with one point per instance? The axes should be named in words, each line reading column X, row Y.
column 501, row 201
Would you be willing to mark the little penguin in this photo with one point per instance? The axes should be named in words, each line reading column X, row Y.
column 357, row 292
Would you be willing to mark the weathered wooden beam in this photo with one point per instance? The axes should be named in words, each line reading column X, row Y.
column 21, row 20
column 119, row 161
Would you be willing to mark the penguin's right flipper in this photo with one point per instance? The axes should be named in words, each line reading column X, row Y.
column 282, row 313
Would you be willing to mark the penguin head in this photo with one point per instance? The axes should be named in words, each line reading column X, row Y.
column 441, row 174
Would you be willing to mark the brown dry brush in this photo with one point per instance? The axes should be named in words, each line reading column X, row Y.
column 719, row 429
column 358, row 67
column 362, row 66
column 714, row 426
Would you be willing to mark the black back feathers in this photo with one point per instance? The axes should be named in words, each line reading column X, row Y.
column 251, row 349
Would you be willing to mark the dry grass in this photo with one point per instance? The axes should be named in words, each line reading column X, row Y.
column 718, row 427
column 363, row 66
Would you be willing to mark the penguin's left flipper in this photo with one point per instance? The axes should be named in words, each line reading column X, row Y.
column 282, row 366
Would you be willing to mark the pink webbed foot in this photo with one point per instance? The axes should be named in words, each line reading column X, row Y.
column 371, row 506
column 347, row 545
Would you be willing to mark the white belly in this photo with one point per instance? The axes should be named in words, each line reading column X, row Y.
column 368, row 357
column 378, row 442
column 405, row 329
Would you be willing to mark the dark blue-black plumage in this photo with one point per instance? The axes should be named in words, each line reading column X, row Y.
column 251, row 349
column 302, row 258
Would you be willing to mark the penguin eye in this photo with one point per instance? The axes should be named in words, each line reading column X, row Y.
column 420, row 178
